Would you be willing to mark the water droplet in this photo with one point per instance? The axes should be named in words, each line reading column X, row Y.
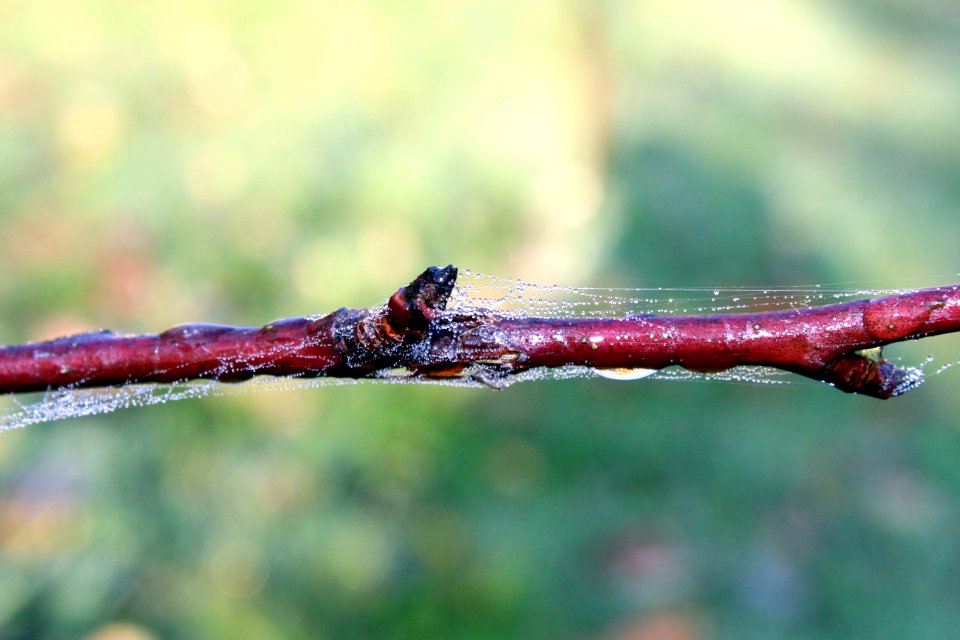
column 624, row 374
column 930, row 358
column 716, row 292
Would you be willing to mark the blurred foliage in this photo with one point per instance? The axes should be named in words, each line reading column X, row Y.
column 241, row 161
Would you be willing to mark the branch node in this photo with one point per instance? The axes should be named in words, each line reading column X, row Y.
column 868, row 373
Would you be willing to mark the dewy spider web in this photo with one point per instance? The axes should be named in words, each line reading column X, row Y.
column 476, row 293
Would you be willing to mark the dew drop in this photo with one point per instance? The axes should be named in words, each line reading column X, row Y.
column 624, row 374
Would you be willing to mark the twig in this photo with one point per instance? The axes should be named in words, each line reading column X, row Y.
column 415, row 334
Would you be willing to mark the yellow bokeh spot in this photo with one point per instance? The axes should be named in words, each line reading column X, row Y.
column 120, row 631
column 91, row 127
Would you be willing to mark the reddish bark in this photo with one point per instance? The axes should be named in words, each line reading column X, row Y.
column 414, row 332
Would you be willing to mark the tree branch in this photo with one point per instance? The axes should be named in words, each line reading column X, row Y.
column 415, row 334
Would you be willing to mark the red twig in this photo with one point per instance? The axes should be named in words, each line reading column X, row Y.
column 414, row 333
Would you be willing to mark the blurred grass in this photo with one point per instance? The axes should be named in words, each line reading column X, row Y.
column 238, row 162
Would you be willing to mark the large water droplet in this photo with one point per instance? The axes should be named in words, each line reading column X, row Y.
column 624, row 374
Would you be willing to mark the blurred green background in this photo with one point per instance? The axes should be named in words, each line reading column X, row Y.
column 242, row 161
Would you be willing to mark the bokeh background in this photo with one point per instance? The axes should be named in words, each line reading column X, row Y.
column 242, row 161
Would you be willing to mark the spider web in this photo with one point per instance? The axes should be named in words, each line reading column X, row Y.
column 476, row 292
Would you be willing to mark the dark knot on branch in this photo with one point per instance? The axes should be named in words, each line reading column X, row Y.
column 386, row 337
column 413, row 307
